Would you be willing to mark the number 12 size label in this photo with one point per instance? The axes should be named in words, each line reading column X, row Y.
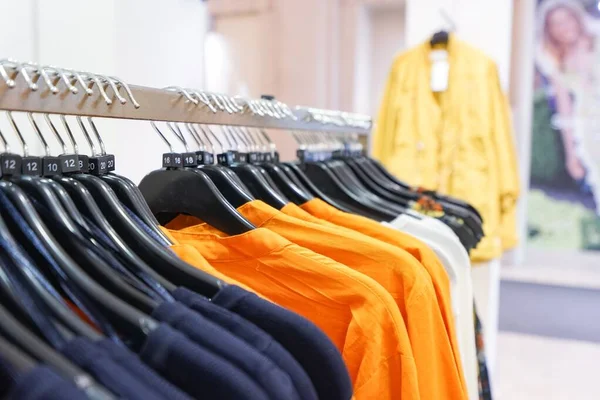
column 69, row 163
column 31, row 166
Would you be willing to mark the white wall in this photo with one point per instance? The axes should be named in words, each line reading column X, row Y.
column 485, row 24
column 387, row 40
column 146, row 42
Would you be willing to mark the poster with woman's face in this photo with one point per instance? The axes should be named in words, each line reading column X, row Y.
column 564, row 197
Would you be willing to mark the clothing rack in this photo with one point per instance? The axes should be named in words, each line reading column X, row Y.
column 49, row 89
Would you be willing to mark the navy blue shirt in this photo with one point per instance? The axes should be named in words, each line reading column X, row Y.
column 116, row 378
column 141, row 371
column 275, row 382
column 304, row 340
column 197, row 371
column 254, row 336
column 42, row 383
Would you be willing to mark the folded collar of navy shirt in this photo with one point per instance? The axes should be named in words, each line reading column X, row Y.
column 253, row 335
column 304, row 340
column 195, row 370
column 275, row 382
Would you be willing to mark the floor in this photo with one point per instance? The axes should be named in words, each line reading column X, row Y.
column 549, row 340
column 541, row 368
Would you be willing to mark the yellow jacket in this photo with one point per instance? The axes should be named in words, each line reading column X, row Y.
column 458, row 142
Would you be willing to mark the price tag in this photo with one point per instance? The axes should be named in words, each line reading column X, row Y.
column 172, row 160
column 51, row 166
column 189, row 159
column 440, row 70
column 11, row 164
column 31, row 166
column 84, row 163
column 69, row 163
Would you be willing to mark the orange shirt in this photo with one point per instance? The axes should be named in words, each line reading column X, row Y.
column 358, row 315
column 321, row 211
column 395, row 269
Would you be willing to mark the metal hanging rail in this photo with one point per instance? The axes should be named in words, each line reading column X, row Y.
column 54, row 90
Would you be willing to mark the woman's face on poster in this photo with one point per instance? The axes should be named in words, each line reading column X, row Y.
column 563, row 26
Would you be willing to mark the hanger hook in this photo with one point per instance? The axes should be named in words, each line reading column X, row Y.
column 38, row 131
column 4, row 143
column 42, row 70
column 252, row 145
column 55, row 131
column 69, row 132
column 100, row 85
column 114, row 88
column 162, row 136
column 175, row 129
column 231, row 140
column 10, row 82
column 208, row 131
column 98, row 137
column 208, row 145
column 195, row 136
column 84, row 85
column 127, row 90
column 87, row 135
column 226, row 103
column 18, row 132
column 202, row 98
column 67, row 81
column 183, row 92
column 23, row 71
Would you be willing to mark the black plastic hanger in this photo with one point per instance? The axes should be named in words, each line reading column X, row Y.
column 296, row 193
column 259, row 186
column 17, row 360
column 124, row 188
column 296, row 174
column 379, row 167
column 439, row 38
column 348, row 178
column 234, row 193
column 193, row 192
column 125, row 317
column 71, row 236
column 212, row 198
column 374, row 184
column 13, row 331
column 36, row 249
column 85, row 201
column 130, row 196
column 472, row 222
column 332, row 186
column 27, row 297
column 158, row 257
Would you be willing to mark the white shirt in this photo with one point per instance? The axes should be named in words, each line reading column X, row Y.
column 444, row 242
